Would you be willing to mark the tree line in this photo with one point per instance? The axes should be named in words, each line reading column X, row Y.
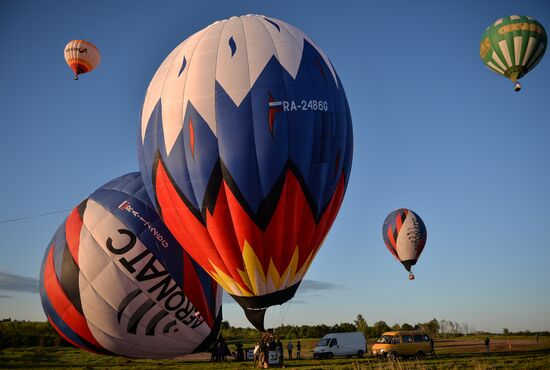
column 15, row 333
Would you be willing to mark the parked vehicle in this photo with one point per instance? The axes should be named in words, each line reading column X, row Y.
column 341, row 344
column 393, row 344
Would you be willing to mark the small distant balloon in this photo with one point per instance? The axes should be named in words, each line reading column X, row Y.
column 405, row 236
column 512, row 46
column 82, row 56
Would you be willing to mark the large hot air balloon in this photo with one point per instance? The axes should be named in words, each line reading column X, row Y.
column 82, row 56
column 246, row 147
column 405, row 236
column 115, row 281
column 512, row 46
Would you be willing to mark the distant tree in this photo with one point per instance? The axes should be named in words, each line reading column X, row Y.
column 505, row 331
column 344, row 327
column 431, row 327
column 407, row 326
column 225, row 325
column 379, row 328
column 360, row 323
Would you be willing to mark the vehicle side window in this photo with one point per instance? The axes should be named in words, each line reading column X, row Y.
column 333, row 342
column 407, row 338
column 426, row 338
column 396, row 340
column 419, row 338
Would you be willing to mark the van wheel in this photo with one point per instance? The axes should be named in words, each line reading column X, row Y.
column 392, row 356
column 360, row 353
column 330, row 355
column 420, row 355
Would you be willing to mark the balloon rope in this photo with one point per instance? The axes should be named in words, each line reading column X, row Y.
column 284, row 311
column 32, row 216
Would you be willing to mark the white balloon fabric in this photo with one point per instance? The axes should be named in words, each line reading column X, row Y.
column 114, row 280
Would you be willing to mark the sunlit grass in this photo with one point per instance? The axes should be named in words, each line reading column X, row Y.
column 524, row 353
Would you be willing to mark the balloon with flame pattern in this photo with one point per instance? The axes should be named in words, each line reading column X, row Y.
column 245, row 148
column 405, row 236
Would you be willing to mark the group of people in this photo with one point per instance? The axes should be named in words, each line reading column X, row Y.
column 268, row 343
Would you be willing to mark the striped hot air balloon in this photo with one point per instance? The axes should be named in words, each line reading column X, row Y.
column 512, row 46
column 405, row 236
column 115, row 281
column 82, row 56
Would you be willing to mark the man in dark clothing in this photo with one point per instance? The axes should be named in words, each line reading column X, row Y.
column 487, row 344
column 298, row 350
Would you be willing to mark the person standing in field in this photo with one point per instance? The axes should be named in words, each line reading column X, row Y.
column 432, row 345
column 298, row 349
column 289, row 347
column 279, row 347
column 487, row 344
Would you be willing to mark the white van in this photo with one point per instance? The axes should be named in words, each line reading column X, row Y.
column 341, row 344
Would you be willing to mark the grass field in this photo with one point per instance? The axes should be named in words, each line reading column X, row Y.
column 468, row 353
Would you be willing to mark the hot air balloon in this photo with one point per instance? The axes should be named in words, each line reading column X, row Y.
column 82, row 56
column 246, row 147
column 405, row 236
column 115, row 281
column 512, row 46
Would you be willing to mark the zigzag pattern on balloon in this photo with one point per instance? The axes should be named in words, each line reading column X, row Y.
column 249, row 153
column 236, row 259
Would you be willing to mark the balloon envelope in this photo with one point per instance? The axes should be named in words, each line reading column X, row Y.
column 82, row 56
column 513, row 45
column 246, row 148
column 405, row 236
column 115, row 281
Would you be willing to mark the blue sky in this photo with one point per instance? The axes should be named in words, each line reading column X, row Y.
column 435, row 131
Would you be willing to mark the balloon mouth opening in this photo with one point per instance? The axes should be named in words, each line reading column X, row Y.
column 514, row 73
column 255, row 306
column 408, row 264
column 265, row 301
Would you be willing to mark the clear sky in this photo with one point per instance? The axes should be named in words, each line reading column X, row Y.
column 434, row 130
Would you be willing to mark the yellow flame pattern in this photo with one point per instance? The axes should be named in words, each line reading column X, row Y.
column 257, row 281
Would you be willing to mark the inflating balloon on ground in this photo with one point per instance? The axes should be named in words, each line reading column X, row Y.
column 115, row 281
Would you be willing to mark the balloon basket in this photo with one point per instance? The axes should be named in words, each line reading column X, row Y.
column 411, row 276
column 517, row 87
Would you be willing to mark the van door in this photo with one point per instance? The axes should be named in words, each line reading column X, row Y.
column 334, row 347
column 408, row 344
column 395, row 345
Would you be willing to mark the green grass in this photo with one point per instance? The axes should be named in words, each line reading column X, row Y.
column 509, row 353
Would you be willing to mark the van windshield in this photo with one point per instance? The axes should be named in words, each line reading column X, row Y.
column 385, row 339
column 323, row 342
